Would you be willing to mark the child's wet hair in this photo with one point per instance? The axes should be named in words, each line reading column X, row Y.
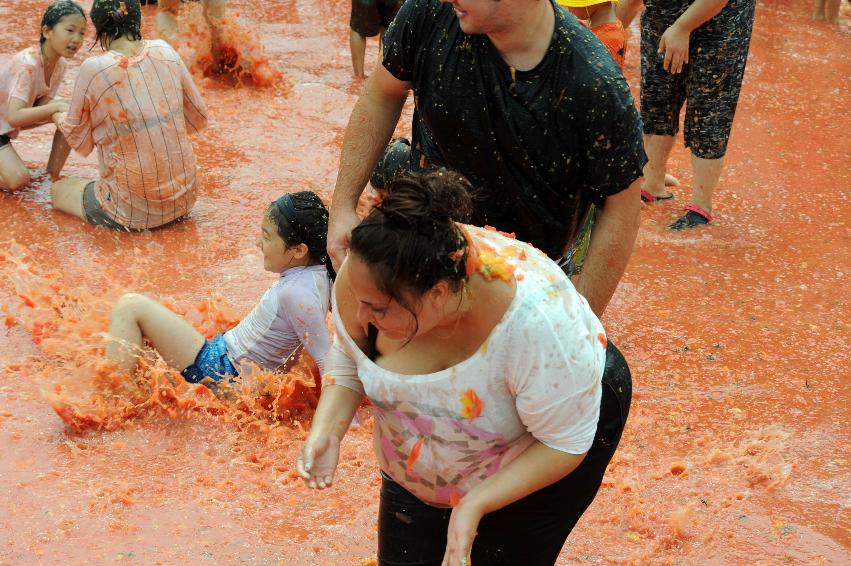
column 301, row 218
column 116, row 18
column 411, row 240
column 55, row 12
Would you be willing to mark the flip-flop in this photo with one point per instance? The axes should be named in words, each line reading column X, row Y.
column 649, row 197
column 694, row 216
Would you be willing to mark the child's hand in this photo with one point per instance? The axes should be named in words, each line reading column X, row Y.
column 674, row 44
column 58, row 118
column 317, row 461
column 59, row 106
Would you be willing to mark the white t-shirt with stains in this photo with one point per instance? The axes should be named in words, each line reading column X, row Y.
column 536, row 377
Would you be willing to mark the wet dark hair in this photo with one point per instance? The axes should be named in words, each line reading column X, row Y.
column 55, row 12
column 301, row 218
column 411, row 241
column 116, row 18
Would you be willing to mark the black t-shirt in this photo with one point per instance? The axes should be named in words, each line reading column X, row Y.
column 540, row 145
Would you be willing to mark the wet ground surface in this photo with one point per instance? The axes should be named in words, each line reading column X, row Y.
column 737, row 446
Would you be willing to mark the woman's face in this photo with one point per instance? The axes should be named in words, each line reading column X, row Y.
column 66, row 37
column 385, row 313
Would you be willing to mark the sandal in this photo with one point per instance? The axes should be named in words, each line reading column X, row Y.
column 650, row 197
column 694, row 216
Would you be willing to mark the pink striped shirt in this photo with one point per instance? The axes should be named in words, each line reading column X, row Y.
column 23, row 78
column 137, row 111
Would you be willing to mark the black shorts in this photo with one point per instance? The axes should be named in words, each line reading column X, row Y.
column 369, row 17
column 709, row 84
column 4, row 140
column 530, row 531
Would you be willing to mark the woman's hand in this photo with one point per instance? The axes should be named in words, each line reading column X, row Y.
column 58, row 118
column 463, row 523
column 674, row 44
column 317, row 461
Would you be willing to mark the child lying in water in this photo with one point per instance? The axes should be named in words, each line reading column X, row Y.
column 289, row 317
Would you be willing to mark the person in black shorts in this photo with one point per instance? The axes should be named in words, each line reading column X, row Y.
column 525, row 102
column 692, row 52
column 369, row 18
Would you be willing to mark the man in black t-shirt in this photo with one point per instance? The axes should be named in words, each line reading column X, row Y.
column 524, row 101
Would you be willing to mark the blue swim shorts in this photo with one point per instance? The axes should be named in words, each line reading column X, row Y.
column 211, row 363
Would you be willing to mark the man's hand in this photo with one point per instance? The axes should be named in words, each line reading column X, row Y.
column 674, row 44
column 340, row 226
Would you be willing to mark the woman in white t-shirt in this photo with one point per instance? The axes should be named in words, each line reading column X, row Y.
column 498, row 400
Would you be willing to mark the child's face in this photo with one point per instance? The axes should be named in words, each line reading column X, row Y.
column 66, row 37
column 277, row 255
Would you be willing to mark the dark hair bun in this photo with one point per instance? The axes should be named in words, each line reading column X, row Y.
column 428, row 202
column 411, row 239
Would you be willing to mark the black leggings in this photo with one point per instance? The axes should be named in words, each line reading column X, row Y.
column 530, row 531
column 709, row 84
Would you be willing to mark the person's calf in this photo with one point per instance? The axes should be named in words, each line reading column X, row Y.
column 15, row 180
column 818, row 10
column 125, row 336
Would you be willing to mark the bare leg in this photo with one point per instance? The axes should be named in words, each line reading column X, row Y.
column 14, row 174
column 67, row 195
column 658, row 149
column 357, row 44
column 831, row 10
column 214, row 13
column 58, row 155
column 706, row 174
column 166, row 23
column 818, row 10
column 135, row 317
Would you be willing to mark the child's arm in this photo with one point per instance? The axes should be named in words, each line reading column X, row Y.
column 76, row 124
column 58, row 154
column 194, row 107
column 20, row 116
column 308, row 322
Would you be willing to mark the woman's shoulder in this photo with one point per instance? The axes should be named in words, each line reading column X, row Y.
column 345, row 307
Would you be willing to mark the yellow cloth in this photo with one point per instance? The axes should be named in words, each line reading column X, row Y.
column 582, row 3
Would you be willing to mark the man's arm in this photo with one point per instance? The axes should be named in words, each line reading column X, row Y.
column 612, row 239
column 371, row 124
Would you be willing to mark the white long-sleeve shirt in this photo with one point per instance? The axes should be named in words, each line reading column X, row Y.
column 290, row 314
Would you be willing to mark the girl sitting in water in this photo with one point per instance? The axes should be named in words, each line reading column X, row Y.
column 291, row 314
column 28, row 85
column 136, row 104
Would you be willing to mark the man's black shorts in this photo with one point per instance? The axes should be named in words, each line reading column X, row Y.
column 371, row 16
